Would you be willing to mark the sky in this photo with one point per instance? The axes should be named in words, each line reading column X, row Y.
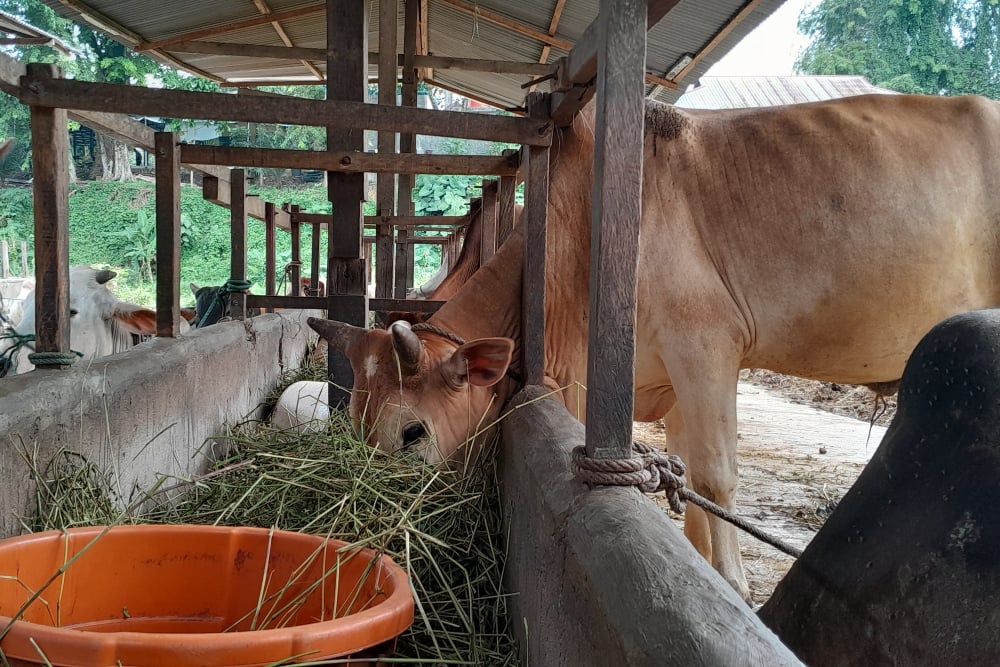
column 771, row 49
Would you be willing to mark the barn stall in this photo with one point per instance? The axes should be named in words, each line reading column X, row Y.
column 589, row 583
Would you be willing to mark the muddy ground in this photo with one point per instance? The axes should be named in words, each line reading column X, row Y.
column 801, row 446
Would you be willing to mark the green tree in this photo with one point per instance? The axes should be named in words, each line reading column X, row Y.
column 932, row 47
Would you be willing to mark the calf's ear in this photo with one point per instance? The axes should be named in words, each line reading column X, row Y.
column 481, row 362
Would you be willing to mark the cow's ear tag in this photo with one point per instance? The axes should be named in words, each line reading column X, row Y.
column 482, row 362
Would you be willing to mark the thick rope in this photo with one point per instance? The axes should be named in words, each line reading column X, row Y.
column 231, row 286
column 47, row 359
column 652, row 471
column 41, row 359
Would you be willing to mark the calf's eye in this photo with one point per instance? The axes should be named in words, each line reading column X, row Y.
column 73, row 312
column 412, row 434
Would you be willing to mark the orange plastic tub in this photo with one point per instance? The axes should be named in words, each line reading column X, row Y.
column 176, row 596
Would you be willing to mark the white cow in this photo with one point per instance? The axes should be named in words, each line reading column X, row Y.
column 100, row 324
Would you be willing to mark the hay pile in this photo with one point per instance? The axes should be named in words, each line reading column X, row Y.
column 444, row 529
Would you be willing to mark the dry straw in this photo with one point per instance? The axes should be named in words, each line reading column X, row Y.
column 445, row 529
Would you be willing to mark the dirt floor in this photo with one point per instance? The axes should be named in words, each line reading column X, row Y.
column 801, row 446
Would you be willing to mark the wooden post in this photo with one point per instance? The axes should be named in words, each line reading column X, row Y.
column 50, row 166
column 295, row 229
column 314, row 269
column 488, row 246
column 505, row 224
column 238, row 234
column 168, row 234
column 536, row 200
column 270, row 251
column 617, row 213
column 384, row 245
column 347, row 80
column 24, row 257
column 407, row 144
column 4, row 259
column 402, row 243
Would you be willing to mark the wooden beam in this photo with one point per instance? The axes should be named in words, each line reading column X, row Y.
column 230, row 27
column 347, row 69
column 270, row 249
column 309, row 54
column 321, row 302
column 238, row 242
column 536, row 200
column 371, row 221
column 218, row 192
column 553, row 25
column 263, row 8
column 575, row 84
column 508, row 23
column 132, row 39
column 168, row 235
column 508, row 204
column 295, row 274
column 407, row 145
column 489, row 211
column 385, row 187
column 352, row 162
column 49, row 156
column 343, row 116
column 617, row 214
column 315, row 258
column 717, row 39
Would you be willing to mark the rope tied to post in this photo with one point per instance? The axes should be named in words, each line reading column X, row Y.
column 648, row 468
column 39, row 359
column 229, row 287
column 652, row 471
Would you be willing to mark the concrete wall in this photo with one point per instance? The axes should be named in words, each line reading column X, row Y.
column 602, row 577
column 147, row 412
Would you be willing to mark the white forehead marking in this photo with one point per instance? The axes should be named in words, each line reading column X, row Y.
column 371, row 366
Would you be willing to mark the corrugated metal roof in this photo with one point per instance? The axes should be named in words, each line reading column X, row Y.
column 736, row 92
column 688, row 28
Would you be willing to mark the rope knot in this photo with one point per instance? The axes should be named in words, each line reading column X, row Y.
column 648, row 468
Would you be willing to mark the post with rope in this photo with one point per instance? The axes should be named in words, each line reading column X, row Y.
column 49, row 156
column 238, row 234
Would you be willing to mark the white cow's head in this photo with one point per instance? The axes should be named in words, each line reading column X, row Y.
column 100, row 324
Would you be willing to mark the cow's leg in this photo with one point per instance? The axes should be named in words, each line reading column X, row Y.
column 705, row 381
column 695, row 520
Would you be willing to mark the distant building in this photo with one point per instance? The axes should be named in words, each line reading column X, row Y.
column 740, row 92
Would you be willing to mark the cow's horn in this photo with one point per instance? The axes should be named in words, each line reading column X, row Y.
column 407, row 345
column 338, row 334
column 104, row 275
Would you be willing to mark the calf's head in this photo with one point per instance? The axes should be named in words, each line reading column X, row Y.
column 428, row 395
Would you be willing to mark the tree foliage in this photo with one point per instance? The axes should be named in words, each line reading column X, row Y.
column 932, row 47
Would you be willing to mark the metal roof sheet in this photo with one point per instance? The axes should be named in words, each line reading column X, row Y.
column 735, row 92
column 455, row 29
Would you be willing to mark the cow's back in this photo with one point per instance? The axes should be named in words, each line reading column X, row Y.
column 828, row 237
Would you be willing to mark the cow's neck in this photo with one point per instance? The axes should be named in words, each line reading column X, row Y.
column 490, row 303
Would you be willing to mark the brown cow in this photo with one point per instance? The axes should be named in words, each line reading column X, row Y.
column 820, row 240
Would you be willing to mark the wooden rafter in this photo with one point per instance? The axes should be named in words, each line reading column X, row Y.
column 263, row 8
column 553, row 25
column 423, row 40
column 518, row 111
column 229, row 27
column 510, row 24
column 717, row 39
column 102, row 22
column 302, row 53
